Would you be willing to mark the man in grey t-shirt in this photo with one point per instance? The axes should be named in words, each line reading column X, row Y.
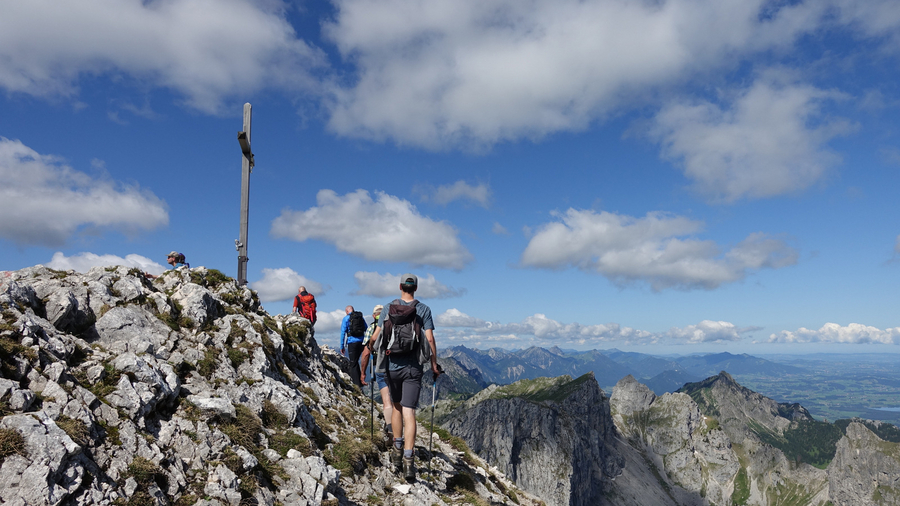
column 404, row 378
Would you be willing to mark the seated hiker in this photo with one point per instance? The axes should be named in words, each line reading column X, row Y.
column 176, row 260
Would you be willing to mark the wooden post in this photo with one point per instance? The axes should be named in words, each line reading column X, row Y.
column 247, row 167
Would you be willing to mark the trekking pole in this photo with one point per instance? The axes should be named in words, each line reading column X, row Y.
column 372, row 401
column 431, row 434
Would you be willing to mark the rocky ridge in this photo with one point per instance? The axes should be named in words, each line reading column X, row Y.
column 735, row 447
column 116, row 388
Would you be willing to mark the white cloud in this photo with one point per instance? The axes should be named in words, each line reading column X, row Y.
column 329, row 321
column 458, row 326
column 707, row 331
column 766, row 144
column 649, row 249
column 455, row 318
column 388, row 285
column 83, row 262
column 442, row 195
column 282, row 284
column 205, row 50
column 44, row 202
column 854, row 333
column 455, row 326
column 466, row 72
column 387, row 229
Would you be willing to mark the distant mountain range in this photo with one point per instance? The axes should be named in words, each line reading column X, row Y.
column 662, row 375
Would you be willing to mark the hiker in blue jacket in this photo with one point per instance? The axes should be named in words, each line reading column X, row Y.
column 353, row 329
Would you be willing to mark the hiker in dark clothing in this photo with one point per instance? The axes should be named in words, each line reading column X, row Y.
column 353, row 329
column 305, row 306
column 404, row 369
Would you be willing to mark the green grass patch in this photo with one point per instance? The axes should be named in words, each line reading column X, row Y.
column 237, row 356
column 245, row 429
column 146, row 473
column 282, row 442
column 76, row 429
column 350, row 455
column 11, row 443
column 272, row 417
column 543, row 389
column 207, row 365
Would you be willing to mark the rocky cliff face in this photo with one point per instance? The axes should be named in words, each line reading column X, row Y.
column 120, row 389
column 688, row 449
column 735, row 448
column 553, row 437
column 865, row 470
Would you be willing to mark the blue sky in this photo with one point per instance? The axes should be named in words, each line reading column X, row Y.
column 667, row 177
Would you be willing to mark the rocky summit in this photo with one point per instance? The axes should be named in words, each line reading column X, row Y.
column 120, row 388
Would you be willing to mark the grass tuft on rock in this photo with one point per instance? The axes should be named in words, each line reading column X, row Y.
column 11, row 443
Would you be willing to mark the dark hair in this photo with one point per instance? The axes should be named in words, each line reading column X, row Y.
column 180, row 258
column 408, row 288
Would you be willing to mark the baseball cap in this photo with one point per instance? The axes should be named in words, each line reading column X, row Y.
column 172, row 254
column 409, row 279
column 379, row 308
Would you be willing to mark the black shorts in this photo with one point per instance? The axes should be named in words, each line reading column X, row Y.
column 405, row 385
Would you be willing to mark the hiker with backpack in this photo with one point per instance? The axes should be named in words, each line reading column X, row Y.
column 305, row 306
column 404, row 343
column 353, row 329
column 378, row 377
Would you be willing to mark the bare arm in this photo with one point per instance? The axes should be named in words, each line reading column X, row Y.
column 429, row 334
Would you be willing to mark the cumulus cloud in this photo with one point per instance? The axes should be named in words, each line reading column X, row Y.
column 44, row 202
column 855, row 333
column 457, row 72
column 282, row 284
column 385, row 229
column 499, row 229
column 766, row 144
column 536, row 329
column 329, row 321
column 83, row 262
column 479, row 194
column 707, row 331
column 207, row 51
column 650, row 249
column 540, row 330
column 387, row 285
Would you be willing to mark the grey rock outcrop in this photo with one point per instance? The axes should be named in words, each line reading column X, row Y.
column 685, row 446
column 865, row 470
column 119, row 388
column 553, row 437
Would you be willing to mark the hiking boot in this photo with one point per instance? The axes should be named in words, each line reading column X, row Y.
column 409, row 468
column 397, row 458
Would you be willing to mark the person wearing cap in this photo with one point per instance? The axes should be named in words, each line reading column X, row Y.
column 403, row 375
column 175, row 259
column 368, row 343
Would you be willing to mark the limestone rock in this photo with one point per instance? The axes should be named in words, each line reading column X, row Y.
column 865, row 470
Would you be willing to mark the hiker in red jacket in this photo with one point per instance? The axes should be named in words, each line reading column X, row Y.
column 305, row 306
